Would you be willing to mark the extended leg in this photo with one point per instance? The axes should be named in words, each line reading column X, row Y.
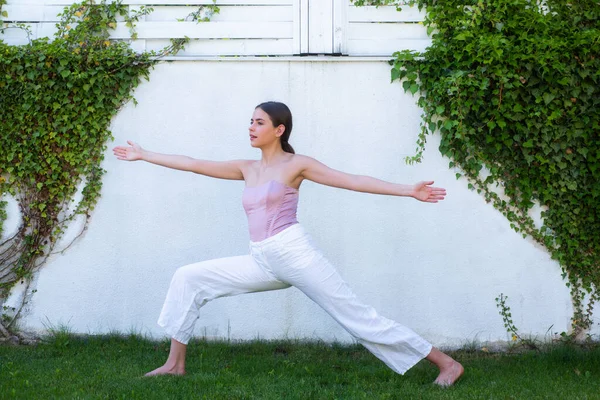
column 396, row 345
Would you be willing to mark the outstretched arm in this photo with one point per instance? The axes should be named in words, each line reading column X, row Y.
column 216, row 169
column 318, row 172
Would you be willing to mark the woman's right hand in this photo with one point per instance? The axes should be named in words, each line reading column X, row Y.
column 133, row 152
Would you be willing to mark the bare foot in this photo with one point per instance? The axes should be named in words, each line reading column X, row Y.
column 167, row 370
column 449, row 374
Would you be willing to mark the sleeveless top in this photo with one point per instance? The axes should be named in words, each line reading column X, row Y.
column 270, row 207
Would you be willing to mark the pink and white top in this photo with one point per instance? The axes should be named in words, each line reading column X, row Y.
column 270, row 207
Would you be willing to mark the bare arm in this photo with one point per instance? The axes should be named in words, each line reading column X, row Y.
column 318, row 172
column 216, row 169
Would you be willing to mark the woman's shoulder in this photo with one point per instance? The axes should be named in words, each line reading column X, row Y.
column 302, row 162
column 302, row 159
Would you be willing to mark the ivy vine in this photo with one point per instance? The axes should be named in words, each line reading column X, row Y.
column 513, row 88
column 57, row 99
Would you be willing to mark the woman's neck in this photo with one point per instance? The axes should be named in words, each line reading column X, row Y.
column 271, row 156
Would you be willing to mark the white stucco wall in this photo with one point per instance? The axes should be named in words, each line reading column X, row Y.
column 436, row 268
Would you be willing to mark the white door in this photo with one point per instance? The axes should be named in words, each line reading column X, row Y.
column 321, row 26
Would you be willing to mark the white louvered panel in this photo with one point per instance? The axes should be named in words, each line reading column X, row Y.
column 49, row 13
column 232, row 47
column 384, row 47
column 255, row 27
column 206, row 30
column 384, row 14
column 381, row 31
column 24, row 12
column 34, row 3
column 35, row 13
column 268, row 26
column 137, row 45
column 30, row 11
column 386, row 31
column 227, row 13
column 381, row 39
column 16, row 37
column 184, row 2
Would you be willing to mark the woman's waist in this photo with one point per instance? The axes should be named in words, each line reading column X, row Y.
column 285, row 232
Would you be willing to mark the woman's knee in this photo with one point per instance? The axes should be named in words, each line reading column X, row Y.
column 188, row 273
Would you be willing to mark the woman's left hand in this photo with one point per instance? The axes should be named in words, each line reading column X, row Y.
column 424, row 192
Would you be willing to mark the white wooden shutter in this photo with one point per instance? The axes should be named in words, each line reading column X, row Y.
column 250, row 27
column 321, row 26
column 380, row 31
column 338, row 27
column 243, row 27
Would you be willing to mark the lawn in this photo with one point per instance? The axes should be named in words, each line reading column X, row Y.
column 112, row 367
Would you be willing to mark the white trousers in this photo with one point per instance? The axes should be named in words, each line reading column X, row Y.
column 289, row 258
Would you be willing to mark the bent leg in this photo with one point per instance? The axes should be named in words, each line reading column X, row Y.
column 196, row 284
column 396, row 345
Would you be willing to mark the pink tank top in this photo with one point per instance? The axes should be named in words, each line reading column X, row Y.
column 270, row 207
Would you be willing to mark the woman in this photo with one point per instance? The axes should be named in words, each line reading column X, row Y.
column 282, row 254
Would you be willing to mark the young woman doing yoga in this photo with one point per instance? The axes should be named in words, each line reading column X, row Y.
column 282, row 254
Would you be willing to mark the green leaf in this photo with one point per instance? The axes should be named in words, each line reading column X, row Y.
column 548, row 97
column 414, row 88
column 583, row 151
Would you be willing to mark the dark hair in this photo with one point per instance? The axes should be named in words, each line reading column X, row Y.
column 280, row 114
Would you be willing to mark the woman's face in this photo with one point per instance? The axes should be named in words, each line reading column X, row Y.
column 261, row 129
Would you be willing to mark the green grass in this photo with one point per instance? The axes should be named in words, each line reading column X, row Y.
column 111, row 367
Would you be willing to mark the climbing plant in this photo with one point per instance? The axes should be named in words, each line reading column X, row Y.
column 57, row 99
column 513, row 88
